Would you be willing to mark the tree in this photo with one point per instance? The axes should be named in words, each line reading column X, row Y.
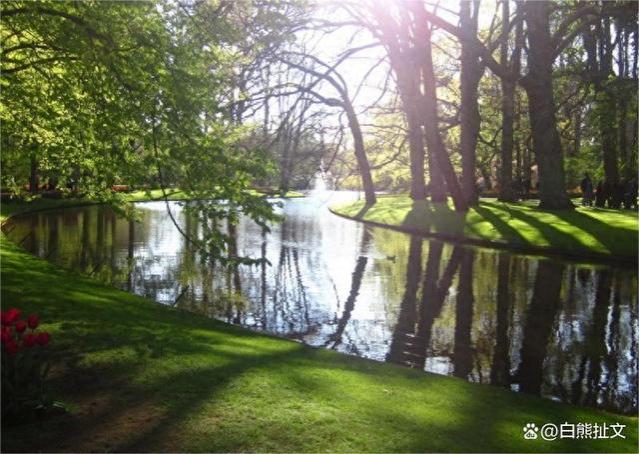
column 508, row 87
column 424, row 103
column 543, row 49
column 129, row 93
column 338, row 83
column 470, row 74
column 538, row 86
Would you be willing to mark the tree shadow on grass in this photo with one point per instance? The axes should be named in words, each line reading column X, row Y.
column 362, row 212
column 434, row 218
column 509, row 233
column 561, row 239
column 613, row 238
column 291, row 398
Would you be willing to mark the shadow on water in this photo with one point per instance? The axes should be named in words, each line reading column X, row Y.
column 563, row 331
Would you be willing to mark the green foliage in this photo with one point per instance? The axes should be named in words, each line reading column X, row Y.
column 136, row 93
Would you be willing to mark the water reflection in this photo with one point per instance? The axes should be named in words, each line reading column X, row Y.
column 562, row 330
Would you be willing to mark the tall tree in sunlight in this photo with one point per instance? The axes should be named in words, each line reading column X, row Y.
column 401, row 52
column 542, row 108
column 508, row 87
column 419, row 53
column 471, row 72
column 543, row 49
column 323, row 72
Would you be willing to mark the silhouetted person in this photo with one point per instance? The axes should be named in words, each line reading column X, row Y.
column 586, row 190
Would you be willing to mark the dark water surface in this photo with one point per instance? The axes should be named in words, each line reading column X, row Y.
column 566, row 331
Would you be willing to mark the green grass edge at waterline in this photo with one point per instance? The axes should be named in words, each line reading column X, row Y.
column 15, row 206
column 584, row 231
column 138, row 376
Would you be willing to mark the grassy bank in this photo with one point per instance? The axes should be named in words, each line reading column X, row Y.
column 584, row 231
column 138, row 376
column 12, row 207
column 176, row 194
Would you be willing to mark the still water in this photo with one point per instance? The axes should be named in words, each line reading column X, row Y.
column 563, row 330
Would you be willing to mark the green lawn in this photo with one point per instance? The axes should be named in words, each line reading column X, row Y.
column 138, row 376
column 587, row 231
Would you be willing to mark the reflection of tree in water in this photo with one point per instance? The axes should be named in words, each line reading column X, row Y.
column 563, row 331
column 592, row 359
column 356, row 282
column 412, row 335
column 279, row 295
column 463, row 349
column 500, row 367
column 538, row 326
column 404, row 331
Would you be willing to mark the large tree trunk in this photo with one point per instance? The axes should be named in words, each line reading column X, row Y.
column 425, row 104
column 436, row 182
column 360, row 154
column 471, row 72
column 409, row 92
column 33, row 176
column 622, row 108
column 538, row 86
column 607, row 109
column 408, row 80
column 599, row 62
column 416, row 145
column 506, row 193
column 428, row 111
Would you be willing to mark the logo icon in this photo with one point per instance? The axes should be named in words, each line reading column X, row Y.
column 530, row 431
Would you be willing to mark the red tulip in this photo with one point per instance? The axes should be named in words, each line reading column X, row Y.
column 33, row 321
column 6, row 334
column 9, row 317
column 43, row 338
column 30, row 340
column 21, row 325
column 12, row 347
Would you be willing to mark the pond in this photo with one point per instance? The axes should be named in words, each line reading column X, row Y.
column 563, row 330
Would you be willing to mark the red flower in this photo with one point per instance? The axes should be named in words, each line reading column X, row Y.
column 33, row 321
column 30, row 340
column 12, row 347
column 6, row 334
column 21, row 325
column 43, row 338
column 9, row 317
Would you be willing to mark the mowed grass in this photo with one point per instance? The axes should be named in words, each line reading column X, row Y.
column 138, row 376
column 585, row 231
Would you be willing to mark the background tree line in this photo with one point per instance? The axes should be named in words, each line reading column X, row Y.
column 215, row 97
